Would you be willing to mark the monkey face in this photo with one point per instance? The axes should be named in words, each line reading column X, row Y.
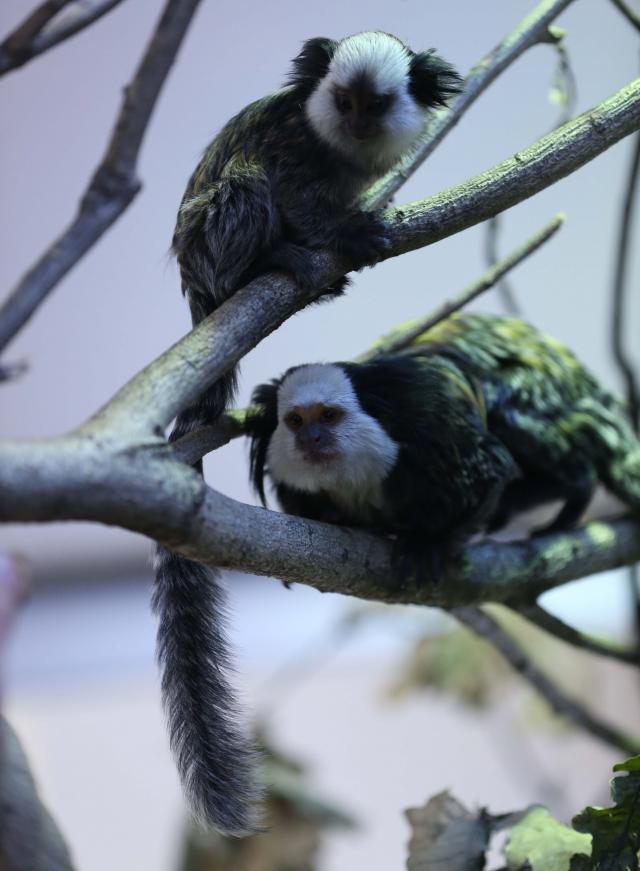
column 314, row 429
column 362, row 109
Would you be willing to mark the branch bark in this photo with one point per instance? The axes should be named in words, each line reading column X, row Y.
column 115, row 183
column 139, row 485
column 47, row 26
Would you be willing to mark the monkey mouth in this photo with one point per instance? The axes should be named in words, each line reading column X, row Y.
column 319, row 457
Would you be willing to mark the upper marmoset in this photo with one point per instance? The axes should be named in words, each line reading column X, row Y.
column 285, row 174
column 479, row 418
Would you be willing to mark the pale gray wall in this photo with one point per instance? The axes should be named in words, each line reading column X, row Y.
column 121, row 306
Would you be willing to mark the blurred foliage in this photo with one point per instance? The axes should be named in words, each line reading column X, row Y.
column 471, row 670
column 615, row 831
column 445, row 836
column 29, row 836
column 540, row 843
column 295, row 817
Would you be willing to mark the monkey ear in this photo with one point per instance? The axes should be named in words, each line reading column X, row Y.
column 260, row 424
column 432, row 81
column 312, row 63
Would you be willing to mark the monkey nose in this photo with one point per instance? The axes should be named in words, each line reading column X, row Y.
column 359, row 130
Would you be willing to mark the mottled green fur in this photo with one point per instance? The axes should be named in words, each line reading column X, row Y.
column 565, row 431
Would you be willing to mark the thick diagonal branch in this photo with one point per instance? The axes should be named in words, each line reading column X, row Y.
column 140, row 486
column 153, row 398
column 114, row 183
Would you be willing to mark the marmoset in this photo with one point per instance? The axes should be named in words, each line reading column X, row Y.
column 478, row 418
column 282, row 178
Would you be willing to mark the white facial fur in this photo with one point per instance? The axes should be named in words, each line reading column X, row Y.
column 385, row 61
column 366, row 452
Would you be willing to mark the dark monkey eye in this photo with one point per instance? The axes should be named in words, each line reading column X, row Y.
column 329, row 414
column 294, row 420
column 342, row 101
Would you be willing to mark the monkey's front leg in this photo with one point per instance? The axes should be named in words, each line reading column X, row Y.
column 363, row 237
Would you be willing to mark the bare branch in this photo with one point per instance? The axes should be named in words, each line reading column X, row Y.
column 533, row 29
column 403, row 337
column 114, row 183
column 196, row 444
column 14, row 50
column 632, row 17
column 620, row 285
column 506, row 292
column 47, row 26
column 153, row 398
column 9, row 371
column 554, row 626
column 489, row 629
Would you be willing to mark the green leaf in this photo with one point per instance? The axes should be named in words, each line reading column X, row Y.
column 615, row 830
column 542, row 843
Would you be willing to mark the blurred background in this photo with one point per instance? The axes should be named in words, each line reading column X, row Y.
column 80, row 685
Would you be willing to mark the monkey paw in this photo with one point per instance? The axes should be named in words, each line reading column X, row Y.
column 364, row 239
column 294, row 259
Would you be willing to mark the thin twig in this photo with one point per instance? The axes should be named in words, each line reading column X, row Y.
column 507, row 294
column 193, row 446
column 15, row 48
column 620, row 283
column 489, row 629
column 554, row 626
column 631, row 15
column 533, row 29
column 9, row 371
column 619, row 317
column 401, row 338
column 564, row 86
column 47, row 26
column 14, row 585
column 114, row 184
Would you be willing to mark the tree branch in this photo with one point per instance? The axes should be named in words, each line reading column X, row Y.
column 153, row 398
column 554, row 626
column 197, row 444
column 533, row 29
column 619, row 288
column 401, row 338
column 193, row 446
column 46, row 27
column 114, row 184
column 489, row 629
column 139, row 485
column 632, row 17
